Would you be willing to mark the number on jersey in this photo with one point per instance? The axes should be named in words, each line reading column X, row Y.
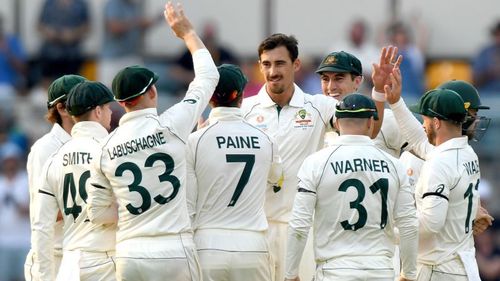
column 135, row 186
column 469, row 195
column 249, row 160
column 69, row 189
column 382, row 184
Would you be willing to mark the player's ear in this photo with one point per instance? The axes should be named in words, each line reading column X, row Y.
column 296, row 64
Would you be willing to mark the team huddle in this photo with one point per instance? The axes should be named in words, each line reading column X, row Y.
column 282, row 185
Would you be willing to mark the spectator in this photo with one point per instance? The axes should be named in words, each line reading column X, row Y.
column 412, row 67
column 63, row 25
column 12, row 68
column 183, row 70
column 359, row 45
column 486, row 68
column 14, row 219
column 124, row 29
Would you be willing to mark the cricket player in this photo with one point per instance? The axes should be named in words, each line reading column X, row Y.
column 87, row 247
column 40, row 152
column 143, row 165
column 341, row 74
column 230, row 164
column 446, row 193
column 297, row 121
column 355, row 193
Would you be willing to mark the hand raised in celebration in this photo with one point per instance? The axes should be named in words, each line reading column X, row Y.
column 175, row 17
column 393, row 88
column 389, row 60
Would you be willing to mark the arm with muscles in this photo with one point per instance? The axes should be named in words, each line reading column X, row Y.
column 301, row 220
column 432, row 212
column 191, row 180
column 183, row 116
column 405, row 215
column 101, row 204
column 411, row 129
column 46, row 211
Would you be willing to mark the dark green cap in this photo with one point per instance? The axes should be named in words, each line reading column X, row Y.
column 60, row 88
column 340, row 62
column 231, row 79
column 356, row 106
column 86, row 96
column 132, row 81
column 443, row 104
column 469, row 93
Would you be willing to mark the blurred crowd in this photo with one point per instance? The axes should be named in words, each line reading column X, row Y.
column 63, row 26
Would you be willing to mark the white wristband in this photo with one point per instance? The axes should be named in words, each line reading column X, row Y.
column 377, row 96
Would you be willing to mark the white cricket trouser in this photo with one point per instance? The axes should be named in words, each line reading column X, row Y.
column 450, row 271
column 277, row 237
column 168, row 257
column 362, row 268
column 31, row 267
column 227, row 255
column 87, row 266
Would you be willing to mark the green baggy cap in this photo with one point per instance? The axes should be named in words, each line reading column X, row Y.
column 443, row 104
column 340, row 62
column 356, row 106
column 86, row 96
column 60, row 88
column 132, row 81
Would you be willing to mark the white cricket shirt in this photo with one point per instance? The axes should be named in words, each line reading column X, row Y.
column 357, row 194
column 447, row 199
column 299, row 129
column 40, row 152
column 230, row 164
column 143, row 163
column 67, row 174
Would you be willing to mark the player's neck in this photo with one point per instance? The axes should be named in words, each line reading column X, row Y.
column 282, row 99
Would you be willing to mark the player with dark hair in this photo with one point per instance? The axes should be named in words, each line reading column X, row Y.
column 298, row 122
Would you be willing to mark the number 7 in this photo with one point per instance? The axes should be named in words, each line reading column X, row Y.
column 249, row 160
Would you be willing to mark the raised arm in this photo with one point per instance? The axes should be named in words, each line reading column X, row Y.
column 183, row 116
column 410, row 127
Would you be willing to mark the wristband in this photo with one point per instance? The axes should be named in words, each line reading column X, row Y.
column 377, row 96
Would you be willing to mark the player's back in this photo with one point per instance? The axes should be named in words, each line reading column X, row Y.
column 356, row 196
column 145, row 164
column 232, row 160
column 455, row 174
column 68, row 177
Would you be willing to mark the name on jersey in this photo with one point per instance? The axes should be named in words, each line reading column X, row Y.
column 472, row 167
column 360, row 165
column 76, row 158
column 238, row 142
column 137, row 144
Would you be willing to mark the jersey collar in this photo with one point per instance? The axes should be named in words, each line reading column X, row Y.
column 60, row 133
column 352, row 140
column 224, row 113
column 89, row 129
column 454, row 143
column 137, row 113
column 296, row 101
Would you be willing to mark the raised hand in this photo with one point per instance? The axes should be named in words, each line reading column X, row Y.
column 393, row 88
column 179, row 23
column 389, row 60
